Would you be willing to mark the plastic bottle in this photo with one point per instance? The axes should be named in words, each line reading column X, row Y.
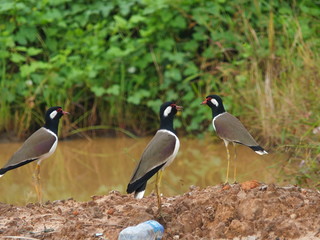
column 149, row 230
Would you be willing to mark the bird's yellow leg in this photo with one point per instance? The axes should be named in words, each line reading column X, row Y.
column 37, row 184
column 228, row 155
column 158, row 183
column 235, row 163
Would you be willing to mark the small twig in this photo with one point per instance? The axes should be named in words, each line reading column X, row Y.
column 45, row 230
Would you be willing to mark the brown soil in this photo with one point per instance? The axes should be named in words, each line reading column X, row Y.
column 248, row 211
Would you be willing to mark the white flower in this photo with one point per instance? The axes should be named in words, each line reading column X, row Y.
column 29, row 83
column 131, row 69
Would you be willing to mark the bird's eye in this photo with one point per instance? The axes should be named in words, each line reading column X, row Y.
column 59, row 110
column 173, row 105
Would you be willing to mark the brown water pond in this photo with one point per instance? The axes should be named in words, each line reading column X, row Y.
column 82, row 168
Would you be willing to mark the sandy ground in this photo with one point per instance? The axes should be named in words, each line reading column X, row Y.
column 247, row 211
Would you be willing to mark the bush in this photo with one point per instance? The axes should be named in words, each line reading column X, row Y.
column 113, row 62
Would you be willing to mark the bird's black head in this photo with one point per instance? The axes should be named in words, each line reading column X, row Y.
column 52, row 117
column 215, row 103
column 167, row 111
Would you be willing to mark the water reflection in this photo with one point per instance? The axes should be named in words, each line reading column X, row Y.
column 82, row 168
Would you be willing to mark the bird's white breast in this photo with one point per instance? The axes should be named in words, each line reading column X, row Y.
column 215, row 119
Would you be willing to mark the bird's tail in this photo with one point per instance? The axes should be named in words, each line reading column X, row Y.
column 259, row 150
column 2, row 171
column 139, row 185
column 139, row 195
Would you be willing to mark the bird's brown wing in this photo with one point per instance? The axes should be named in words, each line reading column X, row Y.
column 38, row 144
column 157, row 152
column 231, row 129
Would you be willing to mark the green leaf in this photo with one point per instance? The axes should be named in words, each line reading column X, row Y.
column 166, row 43
column 98, row 91
column 26, row 33
column 8, row 95
column 200, row 34
column 191, row 69
column 21, row 48
column 52, row 15
column 179, row 22
column 21, row 39
column 172, row 95
column 115, row 52
column 51, row 43
column 17, row 58
column 4, row 54
column 177, row 57
column 173, row 74
column 191, row 45
column 136, row 19
column 26, row 69
column 33, row 51
column 114, row 90
column 138, row 96
column 125, row 7
column 106, row 9
column 120, row 22
column 6, row 6
column 154, row 105
column 208, row 53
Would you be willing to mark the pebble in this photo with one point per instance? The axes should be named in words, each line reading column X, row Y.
column 293, row 216
column 246, row 238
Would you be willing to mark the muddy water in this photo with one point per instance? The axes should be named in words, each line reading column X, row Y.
column 83, row 168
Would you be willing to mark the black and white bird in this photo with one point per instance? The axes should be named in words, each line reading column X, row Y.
column 159, row 153
column 40, row 145
column 230, row 129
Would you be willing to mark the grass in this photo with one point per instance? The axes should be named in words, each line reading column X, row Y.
column 280, row 101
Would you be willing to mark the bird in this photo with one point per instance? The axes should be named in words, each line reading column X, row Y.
column 158, row 154
column 230, row 129
column 39, row 146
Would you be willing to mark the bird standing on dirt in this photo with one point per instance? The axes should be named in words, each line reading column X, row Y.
column 158, row 154
column 230, row 129
column 40, row 145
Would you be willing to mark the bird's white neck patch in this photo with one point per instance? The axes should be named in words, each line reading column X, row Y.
column 167, row 111
column 214, row 102
column 53, row 114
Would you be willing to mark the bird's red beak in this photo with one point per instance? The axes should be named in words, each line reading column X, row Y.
column 179, row 108
column 204, row 102
column 63, row 112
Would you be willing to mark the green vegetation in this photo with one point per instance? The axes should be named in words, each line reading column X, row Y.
column 112, row 62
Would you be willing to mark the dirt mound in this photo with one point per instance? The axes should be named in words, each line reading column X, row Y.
column 249, row 211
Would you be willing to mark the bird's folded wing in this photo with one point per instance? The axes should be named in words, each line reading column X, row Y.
column 157, row 152
column 230, row 128
column 38, row 144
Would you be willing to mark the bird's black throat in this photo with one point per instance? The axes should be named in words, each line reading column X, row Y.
column 166, row 123
column 217, row 110
column 52, row 125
